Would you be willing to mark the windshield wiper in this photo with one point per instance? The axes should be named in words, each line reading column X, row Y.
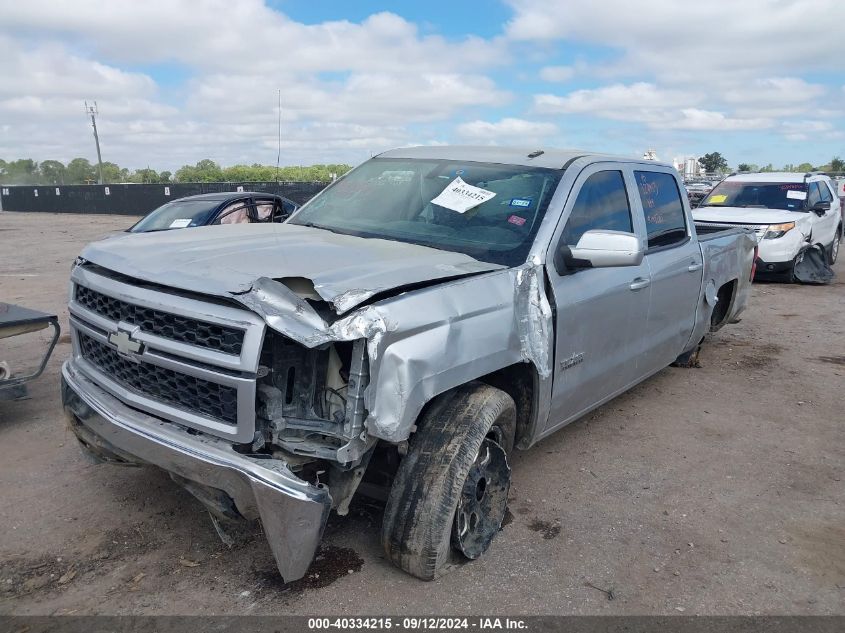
column 312, row 225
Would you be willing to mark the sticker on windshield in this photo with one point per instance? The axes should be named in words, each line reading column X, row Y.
column 520, row 202
column 796, row 195
column 516, row 219
column 717, row 199
column 461, row 197
column 180, row 223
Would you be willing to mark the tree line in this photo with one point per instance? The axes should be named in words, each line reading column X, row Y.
column 80, row 171
column 714, row 162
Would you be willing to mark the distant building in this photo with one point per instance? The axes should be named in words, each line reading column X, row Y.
column 688, row 166
column 650, row 154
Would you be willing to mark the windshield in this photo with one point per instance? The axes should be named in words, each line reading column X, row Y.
column 178, row 214
column 789, row 196
column 490, row 212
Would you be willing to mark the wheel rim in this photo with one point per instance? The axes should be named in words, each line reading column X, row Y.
column 484, row 498
column 835, row 250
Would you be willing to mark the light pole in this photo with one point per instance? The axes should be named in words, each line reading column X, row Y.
column 92, row 111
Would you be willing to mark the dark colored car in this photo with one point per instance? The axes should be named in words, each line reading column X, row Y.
column 232, row 207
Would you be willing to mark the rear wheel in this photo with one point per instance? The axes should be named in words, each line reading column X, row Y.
column 450, row 493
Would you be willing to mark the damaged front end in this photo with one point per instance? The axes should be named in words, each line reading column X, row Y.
column 274, row 412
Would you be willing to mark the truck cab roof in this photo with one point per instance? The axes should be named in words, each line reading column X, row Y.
column 548, row 158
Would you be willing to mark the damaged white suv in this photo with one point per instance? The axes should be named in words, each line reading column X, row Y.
column 409, row 327
column 790, row 213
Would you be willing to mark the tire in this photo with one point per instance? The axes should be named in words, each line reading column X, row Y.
column 456, row 467
column 833, row 253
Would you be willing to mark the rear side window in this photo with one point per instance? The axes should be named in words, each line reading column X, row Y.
column 664, row 211
column 602, row 203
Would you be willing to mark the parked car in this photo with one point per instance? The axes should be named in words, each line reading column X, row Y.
column 411, row 325
column 697, row 190
column 216, row 208
column 838, row 183
column 788, row 212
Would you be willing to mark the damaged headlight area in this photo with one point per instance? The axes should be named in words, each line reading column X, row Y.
column 778, row 230
column 310, row 402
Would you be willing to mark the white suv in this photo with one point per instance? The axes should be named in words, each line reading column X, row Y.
column 787, row 211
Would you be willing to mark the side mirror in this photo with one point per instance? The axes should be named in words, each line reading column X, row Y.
column 601, row 249
column 821, row 207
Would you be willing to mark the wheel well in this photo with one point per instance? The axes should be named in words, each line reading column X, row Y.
column 724, row 300
column 519, row 381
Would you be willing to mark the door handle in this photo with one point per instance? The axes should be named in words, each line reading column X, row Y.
column 694, row 267
column 639, row 283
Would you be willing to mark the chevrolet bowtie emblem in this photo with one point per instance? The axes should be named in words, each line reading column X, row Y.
column 124, row 343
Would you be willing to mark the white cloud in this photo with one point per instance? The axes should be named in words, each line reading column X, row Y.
column 347, row 87
column 507, row 130
column 351, row 88
column 682, row 41
column 697, row 119
column 220, row 35
column 557, row 73
column 646, row 103
column 617, row 101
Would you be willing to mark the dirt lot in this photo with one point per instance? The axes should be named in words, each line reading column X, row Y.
column 702, row 491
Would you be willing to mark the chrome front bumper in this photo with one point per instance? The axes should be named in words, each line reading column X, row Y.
column 293, row 512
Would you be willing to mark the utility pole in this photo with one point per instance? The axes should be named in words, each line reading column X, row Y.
column 92, row 111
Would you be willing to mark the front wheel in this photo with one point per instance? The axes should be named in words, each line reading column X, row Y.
column 450, row 493
column 834, row 246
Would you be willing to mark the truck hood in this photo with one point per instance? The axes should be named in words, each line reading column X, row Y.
column 744, row 215
column 344, row 270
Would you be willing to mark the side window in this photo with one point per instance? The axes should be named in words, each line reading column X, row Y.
column 264, row 209
column 235, row 213
column 664, row 212
column 602, row 203
column 813, row 194
column 825, row 192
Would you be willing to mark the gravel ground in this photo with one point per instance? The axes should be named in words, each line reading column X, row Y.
column 703, row 491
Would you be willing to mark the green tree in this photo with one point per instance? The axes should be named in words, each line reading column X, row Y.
column 205, row 170
column 743, row 167
column 186, row 173
column 80, row 170
column 165, row 177
column 23, row 171
column 713, row 162
column 805, row 167
column 837, row 164
column 767, row 168
column 145, row 176
column 52, row 172
column 113, row 173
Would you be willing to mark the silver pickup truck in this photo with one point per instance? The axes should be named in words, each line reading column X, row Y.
column 403, row 332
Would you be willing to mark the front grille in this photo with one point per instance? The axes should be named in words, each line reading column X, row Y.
column 165, row 385
column 211, row 336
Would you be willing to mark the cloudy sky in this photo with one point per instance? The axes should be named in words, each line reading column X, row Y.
column 176, row 80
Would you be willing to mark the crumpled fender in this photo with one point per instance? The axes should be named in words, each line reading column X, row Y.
column 425, row 342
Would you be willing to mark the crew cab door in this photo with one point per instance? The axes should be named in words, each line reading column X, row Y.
column 675, row 266
column 600, row 312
